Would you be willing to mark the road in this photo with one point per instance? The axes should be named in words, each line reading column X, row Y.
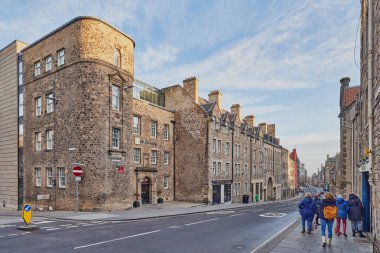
column 237, row 230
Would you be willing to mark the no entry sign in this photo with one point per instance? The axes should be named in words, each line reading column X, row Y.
column 77, row 171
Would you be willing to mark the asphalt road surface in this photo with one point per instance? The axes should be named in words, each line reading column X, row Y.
column 237, row 230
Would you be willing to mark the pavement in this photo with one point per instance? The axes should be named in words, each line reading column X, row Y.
column 171, row 208
column 297, row 242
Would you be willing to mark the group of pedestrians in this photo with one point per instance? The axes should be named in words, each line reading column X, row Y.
column 327, row 209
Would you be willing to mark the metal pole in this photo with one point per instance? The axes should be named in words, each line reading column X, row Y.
column 76, row 197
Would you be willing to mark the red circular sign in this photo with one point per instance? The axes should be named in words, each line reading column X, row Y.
column 77, row 171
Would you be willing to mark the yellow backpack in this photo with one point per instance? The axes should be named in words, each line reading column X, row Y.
column 330, row 212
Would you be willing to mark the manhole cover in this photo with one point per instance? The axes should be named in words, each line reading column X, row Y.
column 273, row 215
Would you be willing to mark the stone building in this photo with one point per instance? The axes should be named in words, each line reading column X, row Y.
column 346, row 168
column 293, row 177
column 11, row 196
column 136, row 144
column 223, row 155
column 368, row 116
column 302, row 172
column 360, row 124
column 77, row 98
column 329, row 172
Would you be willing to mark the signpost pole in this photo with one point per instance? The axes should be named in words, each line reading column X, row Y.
column 76, row 197
column 77, row 172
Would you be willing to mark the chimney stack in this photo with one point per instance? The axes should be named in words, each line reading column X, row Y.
column 216, row 96
column 191, row 86
column 250, row 119
column 263, row 128
column 236, row 108
column 272, row 130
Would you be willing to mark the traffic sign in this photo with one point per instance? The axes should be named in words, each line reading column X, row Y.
column 27, row 213
column 77, row 171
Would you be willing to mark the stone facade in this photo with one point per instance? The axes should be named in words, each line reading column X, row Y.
column 346, row 168
column 82, row 117
column 230, row 159
column 364, row 112
column 9, row 141
column 144, row 143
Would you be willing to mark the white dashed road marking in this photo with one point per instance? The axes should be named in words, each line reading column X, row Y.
column 43, row 222
column 237, row 214
column 53, row 229
column 117, row 239
column 200, row 222
column 66, row 225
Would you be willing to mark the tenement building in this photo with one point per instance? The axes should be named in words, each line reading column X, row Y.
column 360, row 125
column 137, row 144
column 368, row 117
column 346, row 171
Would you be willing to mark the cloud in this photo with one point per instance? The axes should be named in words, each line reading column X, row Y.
column 155, row 58
column 29, row 21
column 286, row 54
column 267, row 109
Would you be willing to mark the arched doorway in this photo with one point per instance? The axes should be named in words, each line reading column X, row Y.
column 270, row 188
column 145, row 190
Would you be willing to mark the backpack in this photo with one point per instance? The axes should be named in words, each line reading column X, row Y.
column 330, row 212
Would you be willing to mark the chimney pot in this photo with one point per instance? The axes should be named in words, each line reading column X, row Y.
column 345, row 81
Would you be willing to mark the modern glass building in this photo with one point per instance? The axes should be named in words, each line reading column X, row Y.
column 148, row 93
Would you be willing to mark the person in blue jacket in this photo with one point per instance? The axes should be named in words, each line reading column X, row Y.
column 328, row 201
column 307, row 208
column 343, row 210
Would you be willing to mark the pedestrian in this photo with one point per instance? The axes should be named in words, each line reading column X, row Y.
column 343, row 209
column 327, row 214
column 355, row 214
column 316, row 198
column 307, row 209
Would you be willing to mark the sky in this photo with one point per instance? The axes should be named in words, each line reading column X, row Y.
column 281, row 60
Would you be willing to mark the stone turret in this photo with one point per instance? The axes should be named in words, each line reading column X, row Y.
column 191, row 86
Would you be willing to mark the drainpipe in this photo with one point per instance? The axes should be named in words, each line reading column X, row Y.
column 174, row 161
column 206, row 155
column 370, row 109
column 352, row 157
column 250, row 167
column 232, row 156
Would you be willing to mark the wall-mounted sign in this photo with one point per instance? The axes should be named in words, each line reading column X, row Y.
column 120, row 170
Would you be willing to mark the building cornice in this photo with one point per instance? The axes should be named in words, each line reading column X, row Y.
column 73, row 21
